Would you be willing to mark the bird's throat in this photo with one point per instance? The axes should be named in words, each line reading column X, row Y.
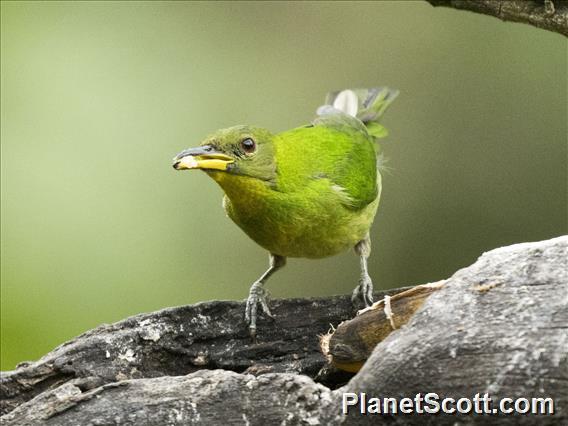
column 245, row 192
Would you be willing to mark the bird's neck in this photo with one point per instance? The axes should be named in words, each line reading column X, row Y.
column 243, row 191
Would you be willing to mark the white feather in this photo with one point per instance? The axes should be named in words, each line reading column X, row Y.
column 348, row 102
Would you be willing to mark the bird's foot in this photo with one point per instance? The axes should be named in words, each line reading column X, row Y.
column 257, row 296
column 364, row 291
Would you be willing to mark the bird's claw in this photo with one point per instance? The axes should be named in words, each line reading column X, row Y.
column 364, row 291
column 257, row 296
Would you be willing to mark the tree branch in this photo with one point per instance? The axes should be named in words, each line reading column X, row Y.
column 498, row 327
column 551, row 15
column 182, row 340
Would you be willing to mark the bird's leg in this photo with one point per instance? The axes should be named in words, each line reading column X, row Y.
column 257, row 293
column 364, row 290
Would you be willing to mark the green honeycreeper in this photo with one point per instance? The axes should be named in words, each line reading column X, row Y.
column 311, row 192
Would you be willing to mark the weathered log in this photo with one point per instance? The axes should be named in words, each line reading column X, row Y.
column 498, row 327
column 182, row 340
column 351, row 344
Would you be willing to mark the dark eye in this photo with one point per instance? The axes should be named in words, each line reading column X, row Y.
column 248, row 145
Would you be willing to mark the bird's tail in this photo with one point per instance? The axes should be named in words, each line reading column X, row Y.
column 368, row 105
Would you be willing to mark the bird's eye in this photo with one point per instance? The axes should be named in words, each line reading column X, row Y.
column 248, row 145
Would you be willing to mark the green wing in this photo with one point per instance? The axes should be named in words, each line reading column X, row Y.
column 338, row 146
column 354, row 169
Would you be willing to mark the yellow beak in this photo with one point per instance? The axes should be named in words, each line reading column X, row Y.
column 202, row 157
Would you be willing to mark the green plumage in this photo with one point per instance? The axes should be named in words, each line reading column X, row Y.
column 308, row 192
column 322, row 200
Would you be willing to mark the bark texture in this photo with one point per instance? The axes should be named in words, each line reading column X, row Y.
column 499, row 326
column 354, row 340
column 551, row 15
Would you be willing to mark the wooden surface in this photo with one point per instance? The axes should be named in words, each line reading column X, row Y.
column 498, row 326
column 354, row 340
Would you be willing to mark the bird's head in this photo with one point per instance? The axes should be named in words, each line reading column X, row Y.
column 240, row 150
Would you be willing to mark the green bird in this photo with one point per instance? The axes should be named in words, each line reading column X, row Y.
column 310, row 192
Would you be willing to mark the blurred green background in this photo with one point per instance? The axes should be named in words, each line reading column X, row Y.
column 98, row 97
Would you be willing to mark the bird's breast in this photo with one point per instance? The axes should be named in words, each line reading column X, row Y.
column 312, row 223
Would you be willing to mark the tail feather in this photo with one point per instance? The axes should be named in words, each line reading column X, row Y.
column 368, row 105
